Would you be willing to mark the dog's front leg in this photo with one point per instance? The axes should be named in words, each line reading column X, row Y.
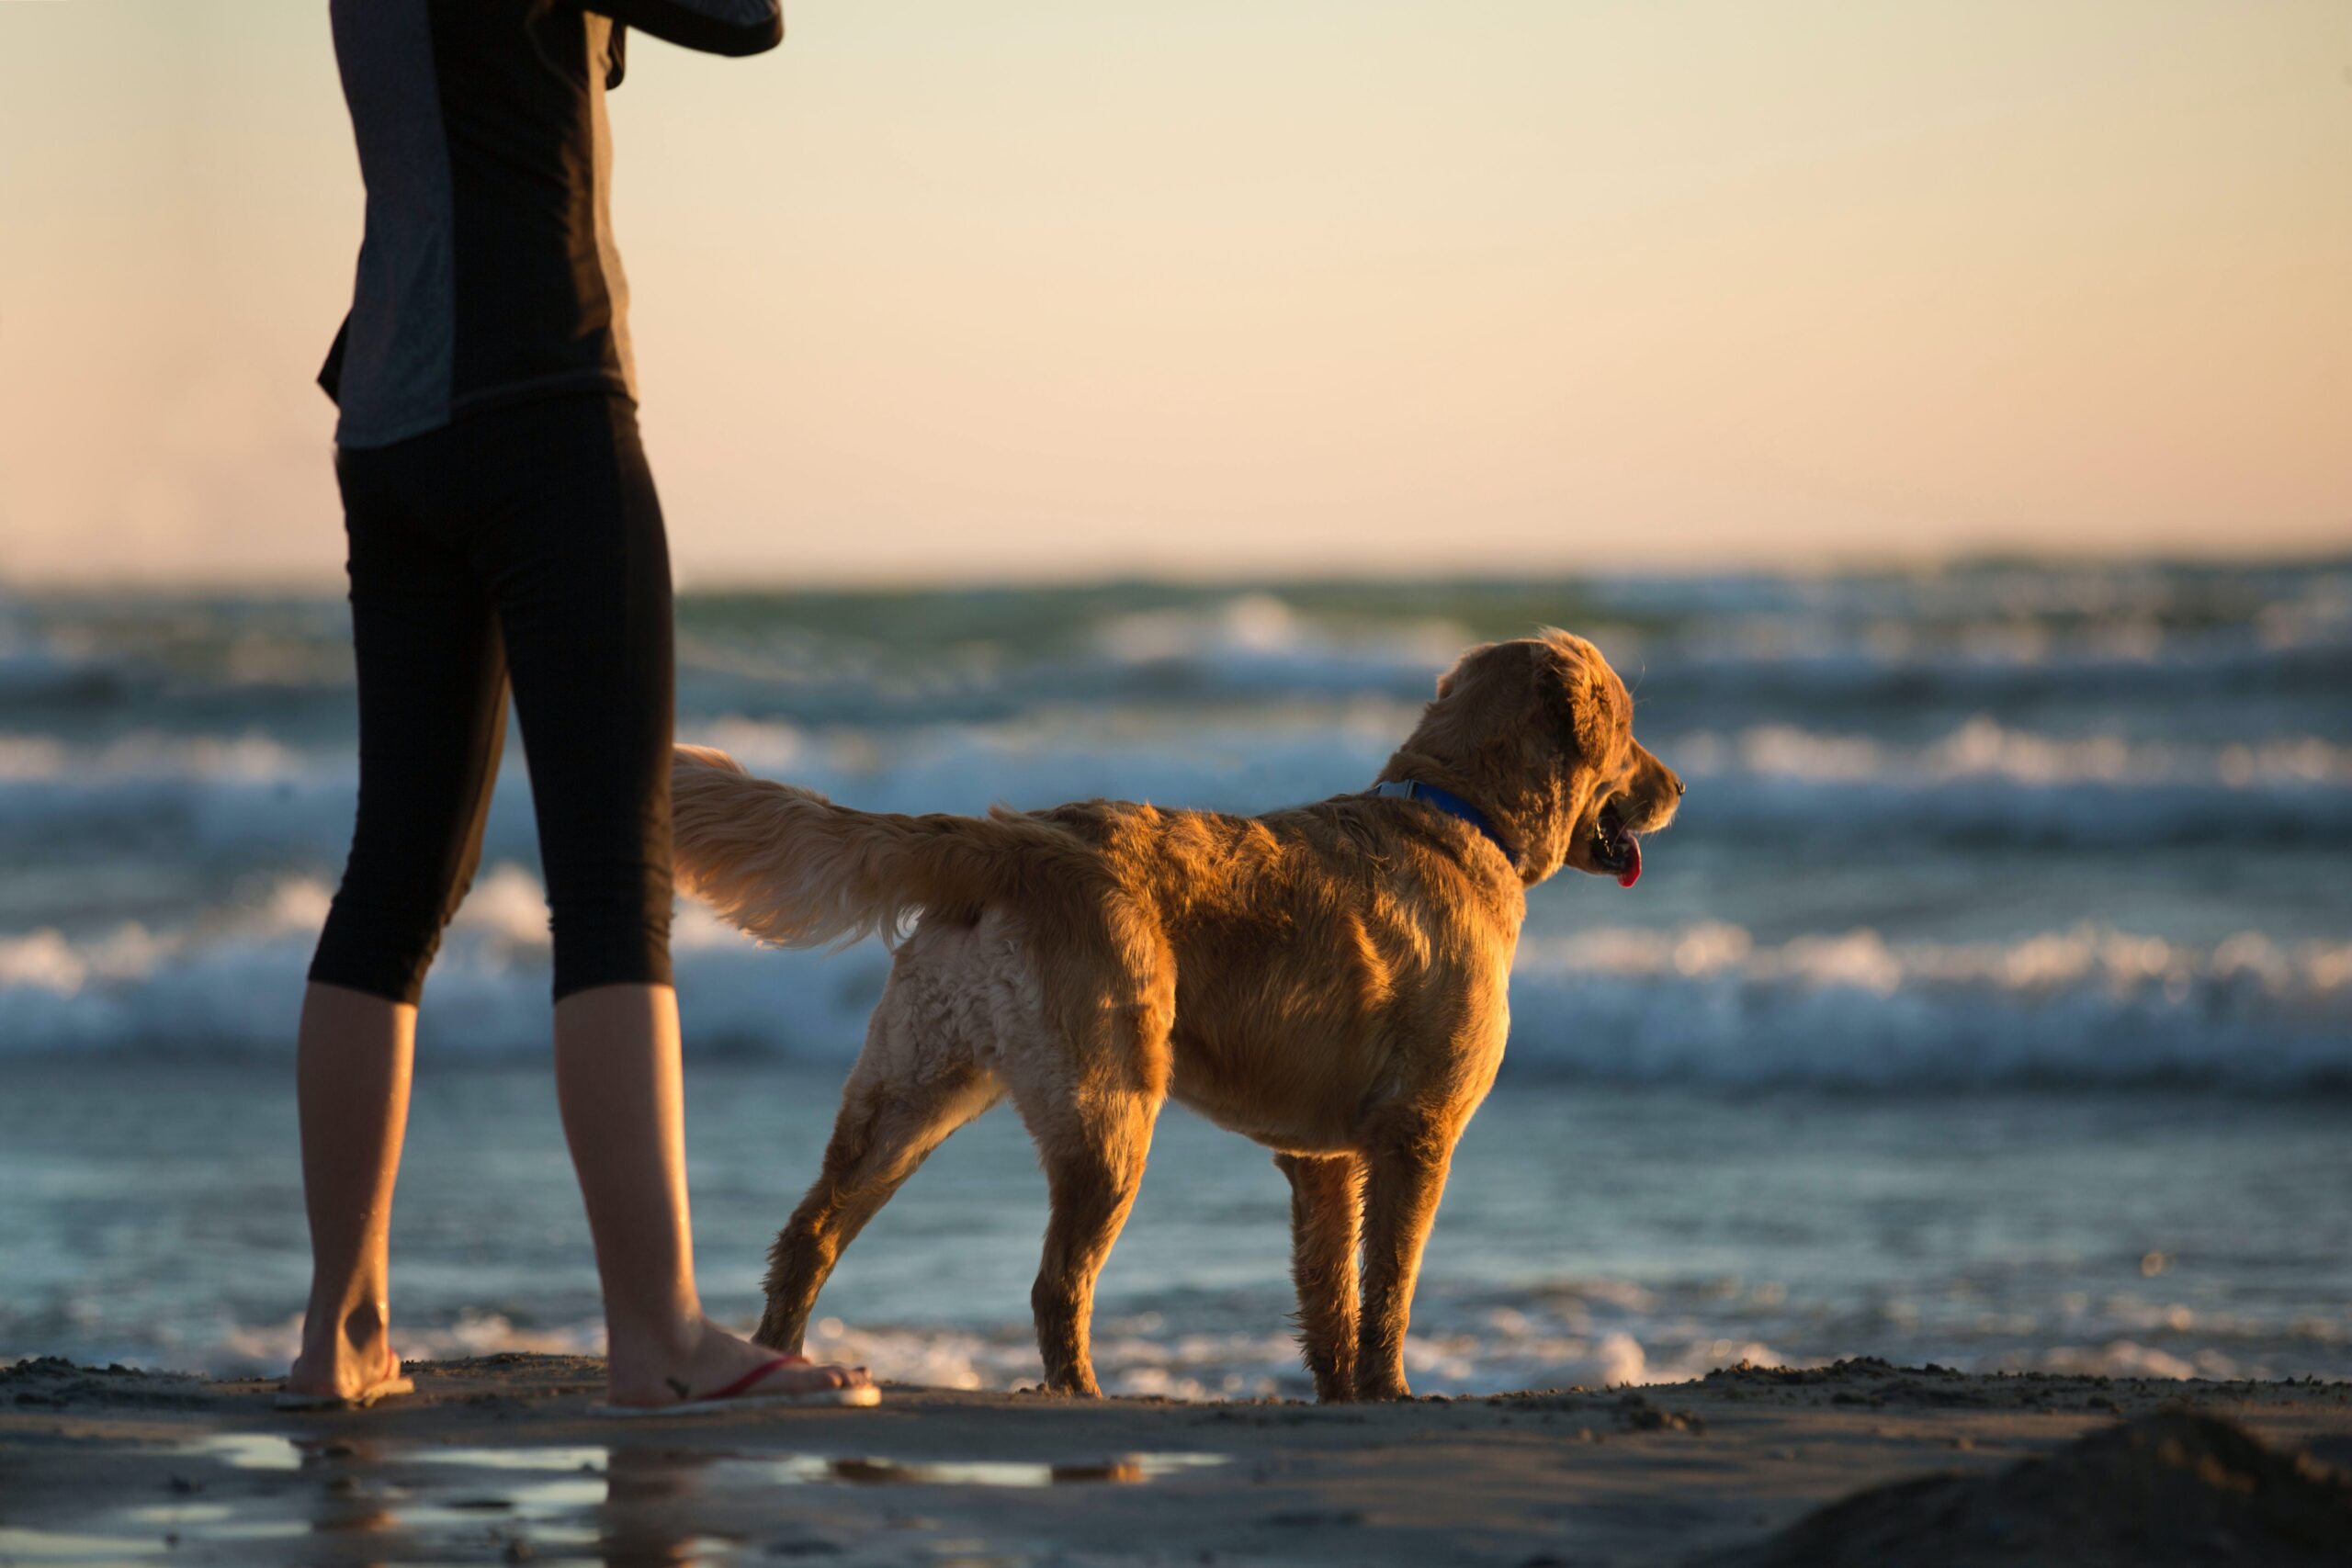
column 1326, row 1219
column 1406, row 1175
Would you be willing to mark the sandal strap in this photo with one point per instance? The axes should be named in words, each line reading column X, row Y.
column 753, row 1376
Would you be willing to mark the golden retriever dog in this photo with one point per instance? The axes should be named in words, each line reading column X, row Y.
column 1329, row 980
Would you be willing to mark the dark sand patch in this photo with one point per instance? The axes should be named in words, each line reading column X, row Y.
column 2160, row 1491
column 51, row 1382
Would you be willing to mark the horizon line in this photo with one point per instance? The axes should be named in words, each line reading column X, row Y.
column 702, row 583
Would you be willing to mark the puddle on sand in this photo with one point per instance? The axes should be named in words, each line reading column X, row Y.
column 45, row 1547
column 561, row 1500
column 551, row 1502
column 1120, row 1470
column 801, row 1469
column 579, row 1459
column 207, row 1521
column 245, row 1451
column 168, row 1515
column 548, row 1508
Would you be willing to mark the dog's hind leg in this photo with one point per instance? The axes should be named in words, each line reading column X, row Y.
column 1405, row 1171
column 1094, row 1144
column 1326, row 1219
column 886, row 1128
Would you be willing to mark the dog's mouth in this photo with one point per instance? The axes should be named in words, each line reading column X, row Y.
column 1615, row 847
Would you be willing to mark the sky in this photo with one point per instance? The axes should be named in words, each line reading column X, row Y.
column 1072, row 289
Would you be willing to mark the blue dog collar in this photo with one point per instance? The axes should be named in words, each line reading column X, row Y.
column 1447, row 801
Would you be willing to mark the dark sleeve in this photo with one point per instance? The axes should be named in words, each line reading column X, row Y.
column 715, row 27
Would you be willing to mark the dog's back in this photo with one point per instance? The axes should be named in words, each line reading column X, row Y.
column 1312, row 958
column 1323, row 956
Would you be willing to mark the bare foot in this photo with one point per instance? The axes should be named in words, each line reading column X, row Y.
column 639, row 1376
column 344, row 1366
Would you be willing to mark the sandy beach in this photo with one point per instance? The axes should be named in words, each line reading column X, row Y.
column 498, row 1459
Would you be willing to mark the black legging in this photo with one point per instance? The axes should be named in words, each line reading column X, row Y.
column 527, row 541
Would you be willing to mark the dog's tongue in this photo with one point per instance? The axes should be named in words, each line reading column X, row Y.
column 1632, row 871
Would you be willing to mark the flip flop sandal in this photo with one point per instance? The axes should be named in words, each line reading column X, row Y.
column 734, row 1397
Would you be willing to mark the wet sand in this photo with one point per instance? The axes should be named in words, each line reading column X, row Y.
column 497, row 1459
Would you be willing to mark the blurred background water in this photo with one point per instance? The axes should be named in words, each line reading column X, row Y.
column 1990, row 1003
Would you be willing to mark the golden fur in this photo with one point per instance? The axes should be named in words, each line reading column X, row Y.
column 1329, row 980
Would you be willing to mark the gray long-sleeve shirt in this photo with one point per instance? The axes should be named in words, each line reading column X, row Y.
column 487, row 272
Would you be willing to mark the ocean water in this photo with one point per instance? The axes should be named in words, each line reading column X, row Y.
column 1991, row 1002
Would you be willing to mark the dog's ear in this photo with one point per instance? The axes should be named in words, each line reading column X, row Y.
column 1451, row 678
column 1582, row 694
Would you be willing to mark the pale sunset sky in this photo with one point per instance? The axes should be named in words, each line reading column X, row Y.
column 946, row 290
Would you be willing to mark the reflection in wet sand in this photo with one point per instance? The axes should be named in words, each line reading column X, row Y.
column 348, row 1503
column 1124, row 1469
column 616, row 1507
column 647, row 1511
column 19, row 1544
column 250, row 1451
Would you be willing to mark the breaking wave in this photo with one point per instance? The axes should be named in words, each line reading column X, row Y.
column 1705, row 1004
column 1595, row 1333
column 213, row 799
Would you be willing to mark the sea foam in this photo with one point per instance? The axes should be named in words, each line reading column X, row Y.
column 1705, row 1003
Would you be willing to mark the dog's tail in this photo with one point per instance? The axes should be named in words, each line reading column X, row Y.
column 790, row 867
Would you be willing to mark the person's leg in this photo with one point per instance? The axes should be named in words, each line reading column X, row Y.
column 622, row 1094
column 351, row 1077
column 432, row 717
column 578, row 567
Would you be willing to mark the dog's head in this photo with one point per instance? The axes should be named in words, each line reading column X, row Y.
column 1538, row 732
